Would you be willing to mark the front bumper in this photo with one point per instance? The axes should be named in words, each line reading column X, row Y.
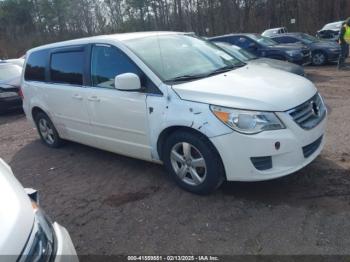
column 300, row 60
column 237, row 150
column 65, row 247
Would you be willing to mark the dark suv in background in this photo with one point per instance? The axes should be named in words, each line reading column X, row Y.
column 322, row 51
column 265, row 47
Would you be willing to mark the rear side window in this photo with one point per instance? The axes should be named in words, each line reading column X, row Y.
column 35, row 67
column 67, row 67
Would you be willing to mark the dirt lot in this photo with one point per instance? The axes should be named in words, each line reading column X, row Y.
column 117, row 205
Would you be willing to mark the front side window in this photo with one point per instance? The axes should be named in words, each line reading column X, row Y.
column 107, row 63
column 67, row 67
column 35, row 67
column 181, row 57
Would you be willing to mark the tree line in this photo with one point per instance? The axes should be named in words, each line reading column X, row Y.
column 28, row 23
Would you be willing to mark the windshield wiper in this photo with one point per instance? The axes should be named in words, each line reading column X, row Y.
column 196, row 77
column 185, row 78
column 225, row 69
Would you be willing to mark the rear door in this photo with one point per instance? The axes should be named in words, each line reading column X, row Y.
column 119, row 119
column 65, row 94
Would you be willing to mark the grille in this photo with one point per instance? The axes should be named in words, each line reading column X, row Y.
column 309, row 114
column 262, row 163
column 310, row 149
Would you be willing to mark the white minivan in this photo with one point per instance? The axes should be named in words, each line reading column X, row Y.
column 176, row 99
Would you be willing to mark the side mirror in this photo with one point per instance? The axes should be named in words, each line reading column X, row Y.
column 127, row 82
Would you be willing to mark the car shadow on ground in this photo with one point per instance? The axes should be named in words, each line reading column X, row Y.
column 75, row 164
column 11, row 116
column 323, row 183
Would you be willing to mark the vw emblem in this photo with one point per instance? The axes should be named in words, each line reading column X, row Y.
column 315, row 108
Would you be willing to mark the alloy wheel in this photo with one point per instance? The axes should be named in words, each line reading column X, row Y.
column 188, row 164
column 46, row 131
column 318, row 59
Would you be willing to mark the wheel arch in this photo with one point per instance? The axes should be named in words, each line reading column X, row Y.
column 36, row 110
column 320, row 51
column 170, row 130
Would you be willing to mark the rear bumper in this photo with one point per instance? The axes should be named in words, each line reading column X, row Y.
column 65, row 248
column 238, row 152
column 10, row 103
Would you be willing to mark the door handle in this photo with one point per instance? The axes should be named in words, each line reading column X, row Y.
column 77, row 96
column 94, row 99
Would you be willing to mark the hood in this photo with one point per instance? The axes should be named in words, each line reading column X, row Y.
column 250, row 87
column 16, row 213
column 278, row 64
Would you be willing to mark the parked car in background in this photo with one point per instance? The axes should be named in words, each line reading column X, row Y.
column 252, row 59
column 27, row 234
column 322, row 51
column 10, row 79
column 265, row 47
column 16, row 61
column 275, row 31
column 176, row 99
column 330, row 31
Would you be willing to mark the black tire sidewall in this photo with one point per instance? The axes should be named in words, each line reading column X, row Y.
column 215, row 171
column 58, row 141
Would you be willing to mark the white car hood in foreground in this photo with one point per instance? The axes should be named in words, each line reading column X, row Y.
column 250, row 87
column 16, row 213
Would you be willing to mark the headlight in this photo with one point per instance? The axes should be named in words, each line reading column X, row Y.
column 247, row 122
column 335, row 49
column 41, row 244
column 293, row 52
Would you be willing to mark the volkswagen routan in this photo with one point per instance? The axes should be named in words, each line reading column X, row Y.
column 178, row 100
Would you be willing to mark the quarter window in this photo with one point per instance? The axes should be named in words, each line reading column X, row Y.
column 67, row 67
column 35, row 67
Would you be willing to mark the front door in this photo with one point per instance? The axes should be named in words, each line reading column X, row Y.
column 118, row 118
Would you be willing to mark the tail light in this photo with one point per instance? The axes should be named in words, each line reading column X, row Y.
column 20, row 93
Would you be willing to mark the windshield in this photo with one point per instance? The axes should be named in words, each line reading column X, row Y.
column 8, row 72
column 308, row 39
column 237, row 52
column 176, row 56
column 265, row 41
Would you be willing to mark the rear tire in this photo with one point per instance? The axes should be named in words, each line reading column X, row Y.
column 193, row 162
column 47, row 131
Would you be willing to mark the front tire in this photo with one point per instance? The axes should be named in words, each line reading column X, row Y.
column 193, row 162
column 47, row 131
column 319, row 58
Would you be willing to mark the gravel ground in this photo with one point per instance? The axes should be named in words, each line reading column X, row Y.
column 112, row 204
